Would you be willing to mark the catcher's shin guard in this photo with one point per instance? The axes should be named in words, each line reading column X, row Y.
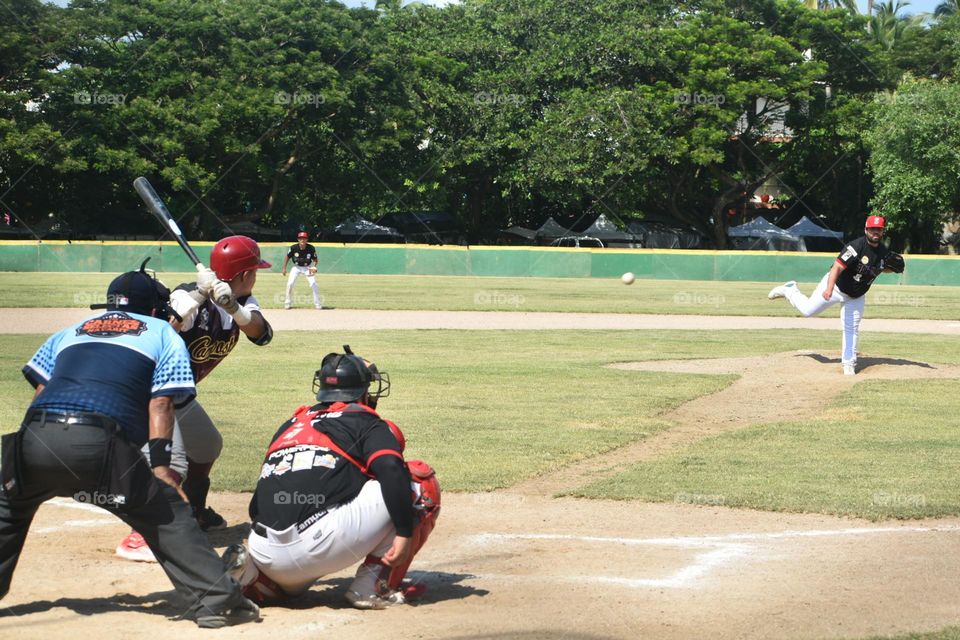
column 427, row 503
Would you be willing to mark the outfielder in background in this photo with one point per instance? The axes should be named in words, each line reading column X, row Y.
column 334, row 490
column 105, row 387
column 304, row 257
column 210, row 331
column 846, row 284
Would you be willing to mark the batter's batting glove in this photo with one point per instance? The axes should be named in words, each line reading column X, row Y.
column 206, row 278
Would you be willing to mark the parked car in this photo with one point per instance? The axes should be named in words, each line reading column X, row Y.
column 577, row 241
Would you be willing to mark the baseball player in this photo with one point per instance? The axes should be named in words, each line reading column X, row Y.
column 854, row 270
column 304, row 257
column 334, row 490
column 105, row 387
column 213, row 313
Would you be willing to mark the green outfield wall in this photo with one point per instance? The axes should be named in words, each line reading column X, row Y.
column 547, row 262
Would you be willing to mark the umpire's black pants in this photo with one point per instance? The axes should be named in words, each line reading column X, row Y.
column 68, row 460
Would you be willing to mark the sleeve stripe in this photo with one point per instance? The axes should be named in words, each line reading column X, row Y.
column 383, row 452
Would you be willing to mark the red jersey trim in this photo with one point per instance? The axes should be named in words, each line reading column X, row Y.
column 383, row 452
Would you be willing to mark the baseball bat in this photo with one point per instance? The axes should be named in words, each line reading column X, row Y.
column 159, row 210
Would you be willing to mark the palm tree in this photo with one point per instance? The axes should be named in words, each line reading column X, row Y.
column 947, row 8
column 888, row 27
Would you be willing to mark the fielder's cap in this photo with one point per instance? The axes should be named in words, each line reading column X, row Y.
column 303, row 234
column 876, row 222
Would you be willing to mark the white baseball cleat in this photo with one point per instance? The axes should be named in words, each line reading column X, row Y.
column 135, row 548
column 368, row 591
column 849, row 369
column 780, row 291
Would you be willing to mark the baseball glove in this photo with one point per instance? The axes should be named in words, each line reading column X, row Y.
column 313, row 270
column 894, row 262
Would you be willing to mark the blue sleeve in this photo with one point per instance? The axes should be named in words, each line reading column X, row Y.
column 172, row 375
column 40, row 368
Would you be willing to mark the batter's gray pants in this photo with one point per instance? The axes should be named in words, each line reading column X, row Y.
column 195, row 437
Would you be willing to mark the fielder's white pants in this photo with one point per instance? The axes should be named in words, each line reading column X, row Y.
column 340, row 539
column 295, row 273
column 851, row 312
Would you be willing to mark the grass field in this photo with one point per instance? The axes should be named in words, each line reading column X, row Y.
column 490, row 409
column 590, row 295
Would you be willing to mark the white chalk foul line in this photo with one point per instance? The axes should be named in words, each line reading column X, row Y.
column 726, row 549
column 69, row 524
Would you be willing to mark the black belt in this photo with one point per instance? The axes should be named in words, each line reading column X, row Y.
column 261, row 530
column 87, row 419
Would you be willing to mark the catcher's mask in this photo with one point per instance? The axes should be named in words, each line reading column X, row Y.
column 345, row 377
column 139, row 292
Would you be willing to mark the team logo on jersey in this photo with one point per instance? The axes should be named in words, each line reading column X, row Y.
column 865, row 260
column 111, row 325
column 206, row 348
column 204, row 321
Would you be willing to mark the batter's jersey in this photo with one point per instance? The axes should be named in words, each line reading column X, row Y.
column 300, row 477
column 211, row 334
column 302, row 257
column 112, row 364
column 862, row 264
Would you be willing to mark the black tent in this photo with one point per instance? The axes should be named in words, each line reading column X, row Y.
column 426, row 227
column 517, row 233
column 760, row 234
column 815, row 237
column 358, row 229
column 657, row 235
column 604, row 230
column 551, row 230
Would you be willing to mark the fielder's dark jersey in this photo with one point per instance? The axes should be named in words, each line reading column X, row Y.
column 302, row 257
column 212, row 334
column 113, row 364
column 301, row 477
column 863, row 264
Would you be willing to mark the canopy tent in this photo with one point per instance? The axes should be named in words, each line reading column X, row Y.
column 358, row 229
column 428, row 227
column 516, row 232
column 604, row 230
column 657, row 235
column 551, row 230
column 761, row 234
column 815, row 237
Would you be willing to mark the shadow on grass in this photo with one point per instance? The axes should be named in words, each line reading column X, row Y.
column 866, row 361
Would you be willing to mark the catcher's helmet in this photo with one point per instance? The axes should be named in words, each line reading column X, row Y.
column 234, row 255
column 345, row 377
column 137, row 292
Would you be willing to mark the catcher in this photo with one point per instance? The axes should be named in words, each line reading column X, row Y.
column 846, row 284
column 305, row 260
column 334, row 488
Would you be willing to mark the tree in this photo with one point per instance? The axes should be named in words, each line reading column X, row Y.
column 914, row 140
column 947, row 8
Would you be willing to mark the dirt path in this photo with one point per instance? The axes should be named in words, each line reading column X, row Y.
column 520, row 564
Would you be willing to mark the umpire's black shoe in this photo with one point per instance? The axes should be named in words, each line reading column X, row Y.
column 210, row 520
column 246, row 611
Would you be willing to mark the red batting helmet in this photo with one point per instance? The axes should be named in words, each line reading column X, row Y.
column 876, row 222
column 303, row 234
column 234, row 255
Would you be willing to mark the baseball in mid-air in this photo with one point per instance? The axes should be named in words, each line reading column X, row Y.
column 628, row 278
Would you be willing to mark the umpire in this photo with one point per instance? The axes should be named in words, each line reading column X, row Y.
column 104, row 388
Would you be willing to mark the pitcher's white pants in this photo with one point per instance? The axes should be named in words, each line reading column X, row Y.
column 340, row 539
column 296, row 272
column 851, row 311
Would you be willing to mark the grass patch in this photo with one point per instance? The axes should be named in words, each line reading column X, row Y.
column 491, row 408
column 590, row 295
column 884, row 449
column 947, row 633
